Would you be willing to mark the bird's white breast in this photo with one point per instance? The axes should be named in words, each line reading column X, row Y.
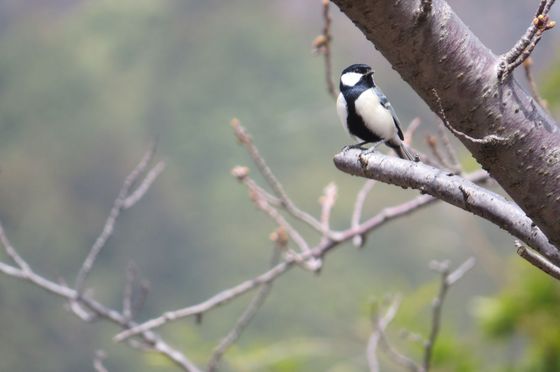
column 377, row 118
column 342, row 110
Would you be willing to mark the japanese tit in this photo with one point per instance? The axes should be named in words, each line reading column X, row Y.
column 366, row 112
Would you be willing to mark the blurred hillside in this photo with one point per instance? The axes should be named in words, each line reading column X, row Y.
column 86, row 85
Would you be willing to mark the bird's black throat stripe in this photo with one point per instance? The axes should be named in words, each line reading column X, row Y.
column 354, row 122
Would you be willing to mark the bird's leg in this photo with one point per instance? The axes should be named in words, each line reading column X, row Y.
column 355, row 146
column 372, row 148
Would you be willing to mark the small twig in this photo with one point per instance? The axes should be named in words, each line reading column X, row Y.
column 380, row 324
column 438, row 156
column 131, row 277
column 524, row 47
column 141, row 190
column 532, row 84
column 409, row 132
column 322, row 45
column 537, row 260
column 489, row 139
column 242, row 174
column 359, row 240
column 214, row 301
column 327, row 201
column 425, row 9
column 246, row 317
column 119, row 204
column 447, row 280
column 245, row 139
column 12, row 253
column 449, row 149
column 99, row 310
column 100, row 356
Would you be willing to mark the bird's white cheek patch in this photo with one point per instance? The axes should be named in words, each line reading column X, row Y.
column 350, row 78
column 376, row 117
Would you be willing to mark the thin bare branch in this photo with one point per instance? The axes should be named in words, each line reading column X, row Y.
column 141, row 190
column 327, row 201
column 525, row 46
column 214, row 301
column 118, row 205
column 100, row 356
column 380, row 324
column 131, row 278
column 244, row 319
column 537, row 260
column 322, row 45
column 359, row 240
column 386, row 215
column 245, row 139
column 447, row 280
column 12, row 253
column 489, row 139
column 527, row 64
column 452, row 189
column 96, row 308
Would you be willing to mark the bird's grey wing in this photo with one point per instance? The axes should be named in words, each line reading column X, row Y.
column 385, row 102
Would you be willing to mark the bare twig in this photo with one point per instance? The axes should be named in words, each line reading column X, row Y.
column 322, row 45
column 141, row 190
column 410, row 130
column 100, row 356
column 242, row 174
column 532, row 84
column 525, row 46
column 438, row 156
column 123, row 201
column 245, row 318
column 327, row 201
column 131, row 277
column 537, row 260
column 489, row 139
column 447, row 280
column 99, row 310
column 245, row 139
column 383, row 217
column 449, row 149
column 359, row 240
column 380, row 324
column 214, row 301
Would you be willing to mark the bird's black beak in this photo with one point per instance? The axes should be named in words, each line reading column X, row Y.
column 369, row 73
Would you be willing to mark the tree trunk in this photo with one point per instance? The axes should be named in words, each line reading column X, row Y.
column 440, row 52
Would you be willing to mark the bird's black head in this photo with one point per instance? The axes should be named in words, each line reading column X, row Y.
column 356, row 74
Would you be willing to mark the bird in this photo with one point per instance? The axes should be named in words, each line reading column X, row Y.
column 366, row 112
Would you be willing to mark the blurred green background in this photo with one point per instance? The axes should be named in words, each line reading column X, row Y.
column 85, row 86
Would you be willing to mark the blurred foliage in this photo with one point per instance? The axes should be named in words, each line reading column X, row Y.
column 525, row 312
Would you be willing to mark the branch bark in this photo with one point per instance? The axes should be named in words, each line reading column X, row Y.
column 442, row 53
column 452, row 189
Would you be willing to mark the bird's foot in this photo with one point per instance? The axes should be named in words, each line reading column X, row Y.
column 359, row 146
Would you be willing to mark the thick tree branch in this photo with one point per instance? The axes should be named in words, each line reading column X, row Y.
column 452, row 189
column 442, row 53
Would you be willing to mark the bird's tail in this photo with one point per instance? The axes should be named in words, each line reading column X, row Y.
column 405, row 153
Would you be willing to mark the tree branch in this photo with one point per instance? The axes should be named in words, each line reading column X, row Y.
column 443, row 54
column 450, row 188
column 101, row 311
column 447, row 280
column 124, row 200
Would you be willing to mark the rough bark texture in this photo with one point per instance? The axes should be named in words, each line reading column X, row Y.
column 439, row 52
column 452, row 189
